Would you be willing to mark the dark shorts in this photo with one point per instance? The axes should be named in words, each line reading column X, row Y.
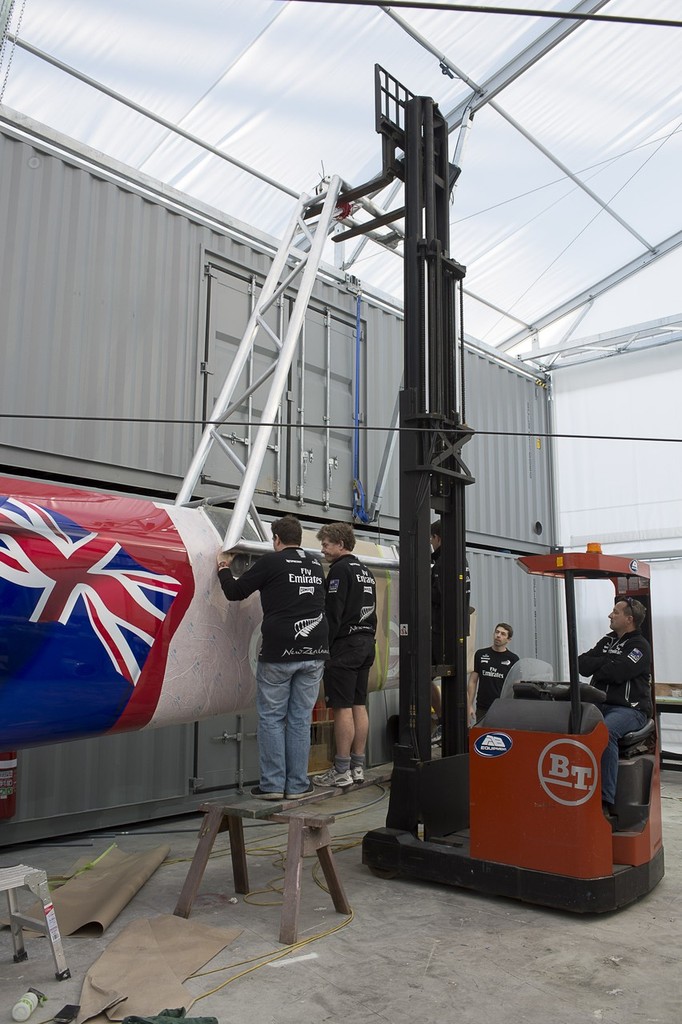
column 346, row 674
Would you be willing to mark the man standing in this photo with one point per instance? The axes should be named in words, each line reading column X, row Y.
column 620, row 665
column 351, row 613
column 491, row 665
column 291, row 660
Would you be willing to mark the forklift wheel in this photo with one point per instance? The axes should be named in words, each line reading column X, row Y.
column 387, row 873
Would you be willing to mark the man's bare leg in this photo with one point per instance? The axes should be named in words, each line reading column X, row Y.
column 344, row 730
column 361, row 723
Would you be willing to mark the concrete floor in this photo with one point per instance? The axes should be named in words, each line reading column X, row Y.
column 413, row 952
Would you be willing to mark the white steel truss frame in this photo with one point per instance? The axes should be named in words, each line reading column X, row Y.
column 300, row 253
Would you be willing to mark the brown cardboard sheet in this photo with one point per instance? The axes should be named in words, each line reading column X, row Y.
column 97, row 891
column 142, row 970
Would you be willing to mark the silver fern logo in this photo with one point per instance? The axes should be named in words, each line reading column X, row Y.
column 366, row 611
column 304, row 627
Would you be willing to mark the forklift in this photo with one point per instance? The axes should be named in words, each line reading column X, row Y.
column 513, row 806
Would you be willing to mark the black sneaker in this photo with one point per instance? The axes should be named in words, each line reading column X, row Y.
column 299, row 796
column 262, row 795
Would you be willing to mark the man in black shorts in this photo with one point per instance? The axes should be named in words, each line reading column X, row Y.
column 350, row 605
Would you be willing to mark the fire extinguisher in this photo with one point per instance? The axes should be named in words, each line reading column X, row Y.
column 8, row 784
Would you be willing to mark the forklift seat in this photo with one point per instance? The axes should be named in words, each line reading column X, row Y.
column 636, row 760
column 629, row 744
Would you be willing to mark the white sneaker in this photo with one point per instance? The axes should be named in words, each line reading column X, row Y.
column 333, row 778
column 358, row 774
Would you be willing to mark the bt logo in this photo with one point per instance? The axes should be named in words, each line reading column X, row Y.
column 567, row 771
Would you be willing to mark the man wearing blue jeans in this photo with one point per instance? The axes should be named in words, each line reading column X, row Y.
column 620, row 665
column 292, row 656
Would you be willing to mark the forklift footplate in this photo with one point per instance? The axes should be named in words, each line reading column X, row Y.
column 394, row 854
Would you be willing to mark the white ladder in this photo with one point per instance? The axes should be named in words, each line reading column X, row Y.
column 306, row 262
column 19, row 876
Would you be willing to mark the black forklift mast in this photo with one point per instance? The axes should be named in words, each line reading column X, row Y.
column 432, row 474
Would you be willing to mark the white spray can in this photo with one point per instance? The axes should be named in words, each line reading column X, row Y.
column 25, row 1006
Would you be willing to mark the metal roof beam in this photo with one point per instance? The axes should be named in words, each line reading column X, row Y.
column 599, row 288
column 512, row 70
column 647, row 329
column 231, row 66
column 573, row 177
column 635, row 338
column 164, row 122
column 520, row 63
column 497, row 309
column 594, row 354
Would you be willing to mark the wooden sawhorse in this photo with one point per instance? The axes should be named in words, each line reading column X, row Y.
column 308, row 833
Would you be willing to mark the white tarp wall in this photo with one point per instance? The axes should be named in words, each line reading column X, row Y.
column 626, row 493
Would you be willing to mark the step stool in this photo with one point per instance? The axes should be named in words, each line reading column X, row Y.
column 19, row 877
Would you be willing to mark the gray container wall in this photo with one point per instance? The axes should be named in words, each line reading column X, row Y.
column 123, row 307
column 502, row 592
column 91, row 784
column 99, row 320
column 309, row 463
column 511, row 502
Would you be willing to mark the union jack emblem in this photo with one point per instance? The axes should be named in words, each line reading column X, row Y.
column 67, row 568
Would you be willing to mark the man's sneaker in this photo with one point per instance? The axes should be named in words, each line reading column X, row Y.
column 333, row 778
column 358, row 774
column 299, row 796
column 437, row 735
column 262, row 795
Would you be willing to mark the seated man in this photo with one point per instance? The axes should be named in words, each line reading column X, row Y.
column 620, row 666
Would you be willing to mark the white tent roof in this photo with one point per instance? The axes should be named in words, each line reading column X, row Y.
column 567, row 213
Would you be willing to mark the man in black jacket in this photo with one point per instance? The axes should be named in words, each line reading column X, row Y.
column 291, row 660
column 620, row 665
column 351, row 613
